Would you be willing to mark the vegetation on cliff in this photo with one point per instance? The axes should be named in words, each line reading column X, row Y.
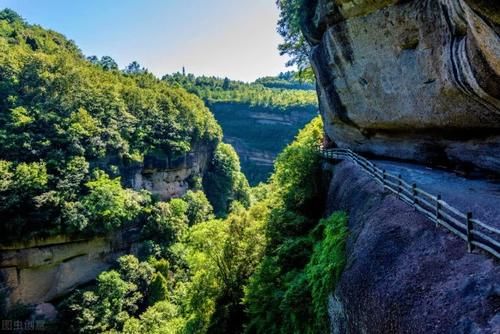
column 193, row 276
column 286, row 293
column 70, row 127
column 294, row 44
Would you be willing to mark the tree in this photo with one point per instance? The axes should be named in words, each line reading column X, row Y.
column 167, row 222
column 199, row 208
column 134, row 68
column 158, row 291
column 224, row 182
column 225, row 85
column 108, row 63
column 10, row 16
column 93, row 59
column 289, row 27
column 108, row 205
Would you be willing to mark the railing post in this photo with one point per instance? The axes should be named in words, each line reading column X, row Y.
column 414, row 194
column 470, row 247
column 399, row 185
column 438, row 208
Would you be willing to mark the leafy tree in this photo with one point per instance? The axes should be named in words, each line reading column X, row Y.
column 93, row 59
column 118, row 295
column 199, row 208
column 10, row 16
column 167, row 222
column 224, row 182
column 158, row 291
column 108, row 63
column 134, row 68
column 289, row 27
column 102, row 309
column 108, row 204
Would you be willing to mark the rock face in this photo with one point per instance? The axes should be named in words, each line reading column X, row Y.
column 47, row 269
column 404, row 275
column 417, row 80
column 168, row 178
column 259, row 133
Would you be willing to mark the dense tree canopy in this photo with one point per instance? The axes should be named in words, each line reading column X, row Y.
column 278, row 93
column 287, row 80
column 62, row 116
column 267, row 268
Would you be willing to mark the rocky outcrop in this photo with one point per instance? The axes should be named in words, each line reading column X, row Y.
column 170, row 177
column 43, row 270
column 417, row 80
column 404, row 275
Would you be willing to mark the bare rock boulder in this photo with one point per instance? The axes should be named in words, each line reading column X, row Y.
column 417, row 80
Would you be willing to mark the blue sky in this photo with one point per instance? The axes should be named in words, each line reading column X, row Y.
column 233, row 38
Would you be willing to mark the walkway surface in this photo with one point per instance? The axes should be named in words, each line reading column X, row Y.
column 480, row 197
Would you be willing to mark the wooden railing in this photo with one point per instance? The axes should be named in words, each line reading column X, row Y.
column 474, row 232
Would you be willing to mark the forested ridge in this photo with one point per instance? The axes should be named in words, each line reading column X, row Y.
column 278, row 93
column 223, row 258
column 68, row 127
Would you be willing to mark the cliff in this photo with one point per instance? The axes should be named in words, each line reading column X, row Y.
column 169, row 177
column 403, row 275
column 414, row 80
column 260, row 133
column 43, row 270
column 46, row 269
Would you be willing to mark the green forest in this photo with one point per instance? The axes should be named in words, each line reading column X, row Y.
column 277, row 93
column 222, row 258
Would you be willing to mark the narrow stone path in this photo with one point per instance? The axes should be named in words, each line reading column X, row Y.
column 480, row 197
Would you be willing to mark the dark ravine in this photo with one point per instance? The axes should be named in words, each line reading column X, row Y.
column 404, row 275
column 414, row 80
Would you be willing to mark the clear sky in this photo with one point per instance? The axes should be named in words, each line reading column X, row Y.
column 233, row 38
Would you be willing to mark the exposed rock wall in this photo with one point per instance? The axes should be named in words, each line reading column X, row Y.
column 404, row 275
column 259, row 133
column 168, row 178
column 43, row 270
column 417, row 80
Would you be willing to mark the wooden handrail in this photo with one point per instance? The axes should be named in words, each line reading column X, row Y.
column 437, row 210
